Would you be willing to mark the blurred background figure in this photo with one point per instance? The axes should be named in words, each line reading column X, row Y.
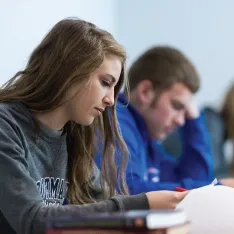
column 227, row 116
column 220, row 124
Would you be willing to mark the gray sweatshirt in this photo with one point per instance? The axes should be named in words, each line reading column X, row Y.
column 33, row 176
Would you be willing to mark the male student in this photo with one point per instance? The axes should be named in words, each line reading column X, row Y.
column 162, row 84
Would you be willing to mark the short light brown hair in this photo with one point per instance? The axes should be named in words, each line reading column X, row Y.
column 164, row 66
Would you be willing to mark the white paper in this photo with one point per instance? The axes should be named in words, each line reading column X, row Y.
column 210, row 210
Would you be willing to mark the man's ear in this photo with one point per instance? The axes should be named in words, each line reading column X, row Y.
column 145, row 92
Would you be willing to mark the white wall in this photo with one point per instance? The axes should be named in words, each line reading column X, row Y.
column 203, row 30
column 23, row 23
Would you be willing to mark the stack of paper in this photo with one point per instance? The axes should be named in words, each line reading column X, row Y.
column 210, row 210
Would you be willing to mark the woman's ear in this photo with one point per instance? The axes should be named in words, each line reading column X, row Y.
column 145, row 92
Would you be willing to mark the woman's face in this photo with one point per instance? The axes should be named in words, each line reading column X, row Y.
column 89, row 101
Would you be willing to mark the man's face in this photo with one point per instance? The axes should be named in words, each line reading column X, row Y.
column 168, row 112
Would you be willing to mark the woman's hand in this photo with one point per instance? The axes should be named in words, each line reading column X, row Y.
column 165, row 199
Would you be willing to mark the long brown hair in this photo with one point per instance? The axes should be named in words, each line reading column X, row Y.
column 70, row 52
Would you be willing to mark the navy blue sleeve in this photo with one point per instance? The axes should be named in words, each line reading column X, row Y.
column 195, row 166
column 170, row 176
column 137, row 171
column 196, row 160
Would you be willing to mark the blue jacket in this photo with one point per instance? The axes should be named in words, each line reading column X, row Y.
column 151, row 168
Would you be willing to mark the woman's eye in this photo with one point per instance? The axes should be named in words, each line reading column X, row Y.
column 105, row 83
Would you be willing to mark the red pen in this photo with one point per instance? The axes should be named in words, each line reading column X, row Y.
column 178, row 189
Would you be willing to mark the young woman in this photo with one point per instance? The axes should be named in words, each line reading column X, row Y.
column 50, row 114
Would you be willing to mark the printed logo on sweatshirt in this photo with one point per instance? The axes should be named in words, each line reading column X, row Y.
column 152, row 174
column 53, row 190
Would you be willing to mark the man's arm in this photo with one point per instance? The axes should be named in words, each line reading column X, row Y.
column 137, row 168
column 195, row 166
column 196, row 161
column 169, row 171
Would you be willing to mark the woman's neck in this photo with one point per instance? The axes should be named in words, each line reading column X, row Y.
column 55, row 119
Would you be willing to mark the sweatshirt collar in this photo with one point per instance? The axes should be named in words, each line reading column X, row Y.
column 140, row 122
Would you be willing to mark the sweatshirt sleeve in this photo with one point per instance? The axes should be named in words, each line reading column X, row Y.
column 195, row 167
column 136, row 175
column 20, row 202
column 170, row 176
column 196, row 160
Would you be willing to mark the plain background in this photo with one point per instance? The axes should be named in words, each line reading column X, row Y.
column 201, row 29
